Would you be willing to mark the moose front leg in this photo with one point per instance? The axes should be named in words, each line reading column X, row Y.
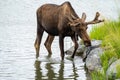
column 75, row 45
column 61, row 44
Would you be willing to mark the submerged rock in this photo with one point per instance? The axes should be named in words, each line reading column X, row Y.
column 112, row 70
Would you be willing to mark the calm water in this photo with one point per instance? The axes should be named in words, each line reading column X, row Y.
column 18, row 32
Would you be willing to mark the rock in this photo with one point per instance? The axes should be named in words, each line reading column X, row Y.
column 93, row 59
column 70, row 51
column 95, row 44
column 113, row 59
column 91, row 54
column 81, row 47
column 79, row 51
column 112, row 71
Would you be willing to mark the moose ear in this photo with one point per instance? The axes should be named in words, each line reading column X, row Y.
column 83, row 17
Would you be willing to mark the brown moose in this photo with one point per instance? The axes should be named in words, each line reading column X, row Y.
column 61, row 20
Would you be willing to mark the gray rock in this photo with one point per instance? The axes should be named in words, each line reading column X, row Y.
column 93, row 59
column 113, row 59
column 79, row 51
column 70, row 51
column 111, row 72
column 81, row 47
column 96, row 42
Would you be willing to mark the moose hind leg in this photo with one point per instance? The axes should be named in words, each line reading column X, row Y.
column 48, row 43
column 38, row 40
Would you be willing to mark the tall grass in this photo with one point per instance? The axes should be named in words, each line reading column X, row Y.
column 118, row 69
column 109, row 33
column 98, row 76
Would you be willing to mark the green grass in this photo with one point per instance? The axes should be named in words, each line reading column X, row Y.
column 118, row 69
column 109, row 33
column 98, row 75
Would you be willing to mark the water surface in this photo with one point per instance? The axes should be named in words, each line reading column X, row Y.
column 18, row 32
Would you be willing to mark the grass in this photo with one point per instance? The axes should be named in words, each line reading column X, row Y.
column 118, row 69
column 109, row 33
column 98, row 76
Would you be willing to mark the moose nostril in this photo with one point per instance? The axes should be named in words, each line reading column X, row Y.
column 87, row 43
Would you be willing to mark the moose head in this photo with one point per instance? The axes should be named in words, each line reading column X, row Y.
column 80, row 26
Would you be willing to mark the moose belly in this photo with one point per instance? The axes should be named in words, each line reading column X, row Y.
column 52, row 31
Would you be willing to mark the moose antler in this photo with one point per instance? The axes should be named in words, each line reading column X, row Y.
column 95, row 19
column 74, row 21
column 71, row 18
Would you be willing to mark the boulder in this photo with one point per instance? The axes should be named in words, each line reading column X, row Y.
column 81, row 47
column 92, row 61
column 112, row 71
column 91, row 54
column 95, row 44
column 79, row 51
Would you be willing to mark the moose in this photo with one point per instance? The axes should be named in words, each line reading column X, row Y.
column 62, row 20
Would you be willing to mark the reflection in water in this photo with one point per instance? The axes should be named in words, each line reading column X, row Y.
column 50, row 72
column 61, row 71
column 37, row 71
column 58, row 73
column 75, row 72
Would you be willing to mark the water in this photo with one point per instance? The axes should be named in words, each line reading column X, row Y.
column 18, row 32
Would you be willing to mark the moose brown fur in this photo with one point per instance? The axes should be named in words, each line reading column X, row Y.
column 61, row 20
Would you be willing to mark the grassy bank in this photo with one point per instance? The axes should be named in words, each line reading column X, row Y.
column 109, row 33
